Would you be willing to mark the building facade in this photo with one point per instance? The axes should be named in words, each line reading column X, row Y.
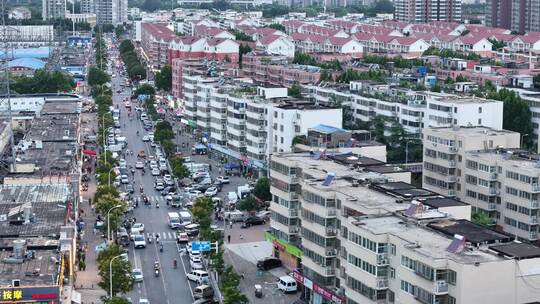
column 424, row 11
column 108, row 11
column 53, row 9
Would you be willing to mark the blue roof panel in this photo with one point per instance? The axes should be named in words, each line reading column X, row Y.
column 328, row 129
column 31, row 63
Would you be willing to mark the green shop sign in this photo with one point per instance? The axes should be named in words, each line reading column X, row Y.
column 283, row 245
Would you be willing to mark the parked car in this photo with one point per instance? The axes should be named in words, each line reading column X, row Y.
column 167, row 190
column 182, row 237
column 139, row 165
column 156, row 172
column 223, row 179
column 139, row 241
column 197, row 276
column 211, row 191
column 252, row 220
column 268, row 263
column 195, row 262
column 146, row 138
column 137, row 228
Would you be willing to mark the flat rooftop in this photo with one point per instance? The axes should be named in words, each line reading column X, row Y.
column 469, row 131
column 385, row 169
column 441, row 202
column 512, row 160
column 359, row 161
column 403, row 190
column 59, row 107
column 424, row 241
column 41, row 269
column 517, row 250
column 52, row 158
column 472, row 232
column 56, row 127
column 48, row 209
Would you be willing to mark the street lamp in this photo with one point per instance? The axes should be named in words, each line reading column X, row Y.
column 123, row 255
column 110, row 173
column 109, row 221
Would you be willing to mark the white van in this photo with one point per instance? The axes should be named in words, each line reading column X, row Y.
column 185, row 217
column 174, row 220
column 203, row 292
column 287, row 284
column 198, row 276
column 235, row 216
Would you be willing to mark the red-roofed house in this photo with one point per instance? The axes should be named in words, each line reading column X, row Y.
column 257, row 32
column 478, row 45
column 344, row 46
column 211, row 32
column 276, row 45
column 312, row 29
column 347, row 26
column 412, row 47
column 221, row 49
column 155, row 39
column 292, row 26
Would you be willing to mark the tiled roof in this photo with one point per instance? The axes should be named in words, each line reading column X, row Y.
column 266, row 40
column 159, row 31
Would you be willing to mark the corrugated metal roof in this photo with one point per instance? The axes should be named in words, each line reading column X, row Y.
column 31, row 63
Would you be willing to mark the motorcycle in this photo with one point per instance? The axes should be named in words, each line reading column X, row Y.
column 160, row 247
column 150, row 239
column 157, row 205
column 175, row 264
column 156, row 268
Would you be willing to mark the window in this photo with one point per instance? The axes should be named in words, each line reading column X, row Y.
column 407, row 287
column 452, row 277
column 392, row 249
column 281, row 140
column 479, row 121
column 275, row 114
column 392, row 273
column 479, row 109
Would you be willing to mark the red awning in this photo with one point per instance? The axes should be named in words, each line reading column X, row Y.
column 89, row 152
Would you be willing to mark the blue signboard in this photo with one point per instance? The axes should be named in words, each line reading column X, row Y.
column 200, row 246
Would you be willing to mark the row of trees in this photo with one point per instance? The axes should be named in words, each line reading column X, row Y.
column 44, row 81
column 202, row 213
column 446, row 53
column 134, row 67
column 163, row 79
column 259, row 198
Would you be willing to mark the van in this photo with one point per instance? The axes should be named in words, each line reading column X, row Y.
column 234, row 216
column 192, row 229
column 203, row 291
column 185, row 217
column 198, row 276
column 174, row 220
column 287, row 284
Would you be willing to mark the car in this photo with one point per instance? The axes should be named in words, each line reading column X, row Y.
column 197, row 276
column 153, row 164
column 182, row 237
column 122, row 163
column 139, row 241
column 143, row 301
column 167, row 190
column 159, row 186
column 212, row 191
column 167, row 178
column 146, row 138
column 201, row 187
column 129, row 188
column 268, row 263
column 156, row 172
column 205, row 301
column 223, row 179
column 195, row 262
column 253, row 220
column 124, row 179
column 139, row 165
column 137, row 228
column 194, row 194
column 137, row 275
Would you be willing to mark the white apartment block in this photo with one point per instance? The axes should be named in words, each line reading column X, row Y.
column 363, row 245
column 53, row 9
column 475, row 165
column 533, row 100
column 413, row 109
column 113, row 12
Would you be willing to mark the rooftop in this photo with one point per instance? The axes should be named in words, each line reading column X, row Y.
column 424, row 241
column 45, row 204
column 48, row 159
column 31, row 63
column 60, row 107
column 441, row 202
column 328, row 129
column 472, row 232
column 302, row 105
column 517, row 250
column 402, row 190
column 477, row 131
column 40, row 268
column 54, row 127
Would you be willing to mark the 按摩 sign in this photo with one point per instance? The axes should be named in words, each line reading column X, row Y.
column 23, row 294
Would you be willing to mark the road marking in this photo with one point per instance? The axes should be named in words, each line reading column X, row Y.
column 184, row 266
column 161, row 271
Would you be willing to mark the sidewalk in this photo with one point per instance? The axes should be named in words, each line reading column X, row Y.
column 87, row 280
column 243, row 257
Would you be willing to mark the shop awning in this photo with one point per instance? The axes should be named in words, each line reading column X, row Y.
column 231, row 166
column 89, row 152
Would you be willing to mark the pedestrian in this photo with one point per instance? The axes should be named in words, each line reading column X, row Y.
column 230, row 225
column 210, row 167
column 219, row 170
column 95, row 231
column 229, row 238
column 241, row 236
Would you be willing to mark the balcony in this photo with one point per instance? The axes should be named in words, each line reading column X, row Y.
column 451, row 178
column 331, row 252
column 534, row 204
column 331, row 231
column 381, row 283
column 535, row 188
column 293, row 212
column 382, row 259
column 492, row 206
column 441, row 287
column 492, row 191
column 493, row 176
column 452, row 164
column 329, row 271
column 452, row 149
column 533, row 220
column 331, row 212
column 533, row 235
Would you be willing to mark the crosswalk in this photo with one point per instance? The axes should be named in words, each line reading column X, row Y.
column 165, row 235
column 154, row 199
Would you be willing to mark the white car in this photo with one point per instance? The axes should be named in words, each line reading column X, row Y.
column 124, row 179
column 139, row 241
column 137, row 275
column 137, row 228
column 146, row 138
column 156, row 172
column 195, row 262
column 212, row 191
column 167, row 178
column 223, row 179
column 139, row 165
column 122, row 162
column 144, row 301
column 197, row 275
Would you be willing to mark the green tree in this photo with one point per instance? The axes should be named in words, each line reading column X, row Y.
column 97, row 77
column 163, row 78
column 299, row 139
column 105, row 203
column 436, row 88
column 44, row 81
column 482, row 218
column 295, row 91
column 243, row 49
column 249, row 204
column 117, row 300
column 137, row 72
column 144, row 89
column 179, row 169
column 277, row 26
column 150, row 5
column 262, row 189
column 103, row 190
column 126, row 46
column 122, row 280
column 163, row 132
column 377, row 128
column 326, row 76
column 241, row 36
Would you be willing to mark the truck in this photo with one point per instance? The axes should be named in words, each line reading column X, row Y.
column 174, row 220
column 243, row 191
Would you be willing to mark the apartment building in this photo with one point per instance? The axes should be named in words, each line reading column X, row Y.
column 413, row 109
column 520, row 16
column 113, row 12
column 485, row 168
column 362, row 241
column 53, row 9
column 424, row 11
column 276, row 71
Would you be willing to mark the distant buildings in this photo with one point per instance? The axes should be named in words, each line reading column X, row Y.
column 424, row 11
column 520, row 16
column 52, row 9
column 107, row 11
column 28, row 35
column 89, row 18
column 20, row 13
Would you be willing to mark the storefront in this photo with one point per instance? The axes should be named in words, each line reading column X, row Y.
column 313, row 293
column 289, row 254
column 224, row 155
column 40, row 295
